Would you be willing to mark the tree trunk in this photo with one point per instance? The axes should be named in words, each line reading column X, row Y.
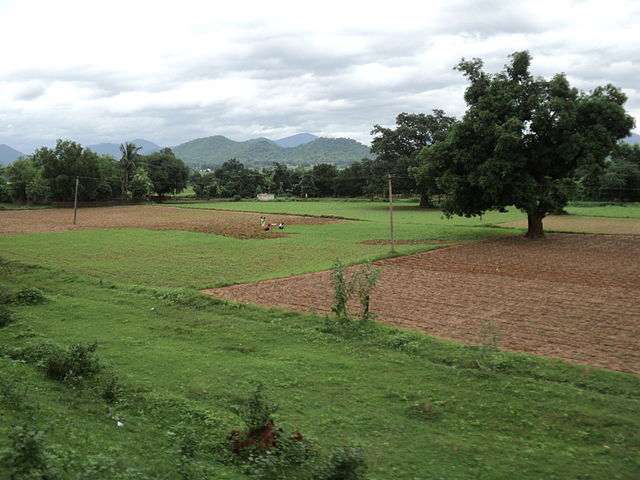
column 534, row 222
column 424, row 197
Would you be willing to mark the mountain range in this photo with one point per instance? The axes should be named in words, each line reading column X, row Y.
column 300, row 149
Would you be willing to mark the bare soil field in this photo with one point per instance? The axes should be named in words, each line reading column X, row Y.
column 572, row 297
column 576, row 223
column 221, row 222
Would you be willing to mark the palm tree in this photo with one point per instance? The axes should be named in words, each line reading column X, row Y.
column 127, row 165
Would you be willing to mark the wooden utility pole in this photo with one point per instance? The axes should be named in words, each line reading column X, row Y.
column 393, row 243
column 75, row 201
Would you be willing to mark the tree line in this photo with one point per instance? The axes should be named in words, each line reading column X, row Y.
column 49, row 175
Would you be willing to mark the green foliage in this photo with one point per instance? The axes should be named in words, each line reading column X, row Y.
column 130, row 157
column 345, row 463
column 397, row 150
column 365, row 281
column 28, row 296
column 140, row 185
column 27, row 459
column 520, row 140
column 71, row 364
column 342, row 289
column 362, row 283
column 21, row 174
column 489, row 357
column 6, row 317
column 256, row 411
column 167, row 173
column 108, row 387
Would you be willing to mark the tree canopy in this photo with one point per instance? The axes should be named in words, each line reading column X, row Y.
column 520, row 141
column 397, row 149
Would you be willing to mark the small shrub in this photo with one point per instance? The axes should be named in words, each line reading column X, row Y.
column 13, row 395
column 29, row 296
column 6, row 317
column 266, row 451
column 345, row 463
column 365, row 281
column 107, row 388
column 489, row 357
column 5, row 296
column 342, row 289
column 27, row 458
column 347, row 327
column 72, row 364
column 405, row 341
column 257, row 411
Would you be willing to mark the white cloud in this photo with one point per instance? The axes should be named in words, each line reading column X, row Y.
column 174, row 71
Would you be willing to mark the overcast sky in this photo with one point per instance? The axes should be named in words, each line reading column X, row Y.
column 171, row 71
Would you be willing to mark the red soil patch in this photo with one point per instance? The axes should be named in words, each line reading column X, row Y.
column 569, row 296
column 578, row 223
column 221, row 222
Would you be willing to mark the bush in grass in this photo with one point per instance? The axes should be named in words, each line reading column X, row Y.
column 27, row 458
column 107, row 388
column 342, row 289
column 5, row 296
column 405, row 341
column 347, row 327
column 28, row 296
column 104, row 467
column 264, row 450
column 71, row 364
column 365, row 280
column 345, row 463
column 6, row 317
column 489, row 357
column 362, row 283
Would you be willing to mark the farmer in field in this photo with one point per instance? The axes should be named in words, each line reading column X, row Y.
column 267, row 226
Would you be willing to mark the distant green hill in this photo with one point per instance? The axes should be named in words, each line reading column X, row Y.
column 214, row 151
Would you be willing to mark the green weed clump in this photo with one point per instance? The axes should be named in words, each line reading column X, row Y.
column 28, row 296
column 361, row 283
column 71, row 364
column 27, row 458
column 345, row 463
column 265, row 450
column 6, row 317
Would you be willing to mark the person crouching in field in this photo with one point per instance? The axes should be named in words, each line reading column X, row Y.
column 267, row 226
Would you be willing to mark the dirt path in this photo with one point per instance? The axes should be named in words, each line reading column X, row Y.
column 570, row 296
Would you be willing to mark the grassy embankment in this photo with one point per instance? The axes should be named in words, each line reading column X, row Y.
column 418, row 407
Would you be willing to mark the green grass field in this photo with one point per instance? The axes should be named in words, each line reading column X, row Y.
column 595, row 209
column 202, row 260
column 417, row 407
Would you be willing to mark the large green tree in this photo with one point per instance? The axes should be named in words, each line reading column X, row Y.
column 520, row 141
column 397, row 150
column 62, row 165
column 167, row 172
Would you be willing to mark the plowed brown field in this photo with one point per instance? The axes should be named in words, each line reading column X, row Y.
column 221, row 222
column 569, row 296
